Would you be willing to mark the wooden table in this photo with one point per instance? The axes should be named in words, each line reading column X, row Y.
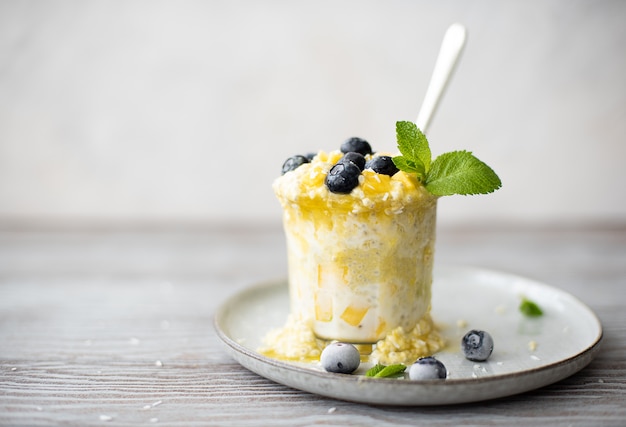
column 114, row 327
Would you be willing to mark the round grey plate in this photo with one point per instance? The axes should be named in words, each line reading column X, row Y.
column 528, row 353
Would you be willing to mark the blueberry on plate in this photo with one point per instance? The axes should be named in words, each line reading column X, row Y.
column 354, row 157
column 343, row 177
column 383, row 165
column 294, row 162
column 427, row 368
column 358, row 145
column 477, row 345
column 339, row 357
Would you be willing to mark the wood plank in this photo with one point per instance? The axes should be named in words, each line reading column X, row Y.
column 115, row 328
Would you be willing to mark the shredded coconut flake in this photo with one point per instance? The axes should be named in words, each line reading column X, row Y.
column 294, row 341
column 400, row 346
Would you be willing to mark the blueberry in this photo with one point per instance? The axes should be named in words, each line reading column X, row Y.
column 310, row 156
column 354, row 157
column 358, row 145
column 383, row 165
column 343, row 177
column 294, row 162
column 427, row 368
column 477, row 345
column 341, row 358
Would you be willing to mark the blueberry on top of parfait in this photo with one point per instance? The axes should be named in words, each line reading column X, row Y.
column 383, row 165
column 294, row 162
column 354, row 157
column 356, row 144
column 343, row 177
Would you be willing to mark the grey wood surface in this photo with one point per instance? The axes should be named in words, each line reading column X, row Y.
column 114, row 327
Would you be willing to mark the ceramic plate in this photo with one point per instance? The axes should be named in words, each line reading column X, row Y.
column 528, row 352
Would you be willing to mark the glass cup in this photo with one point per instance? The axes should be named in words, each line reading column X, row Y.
column 360, row 265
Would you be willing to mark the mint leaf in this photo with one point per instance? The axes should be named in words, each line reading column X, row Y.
column 391, row 371
column 409, row 166
column 413, row 144
column 382, row 371
column 530, row 308
column 374, row 370
column 459, row 172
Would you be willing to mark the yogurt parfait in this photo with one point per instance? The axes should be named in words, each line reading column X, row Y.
column 360, row 233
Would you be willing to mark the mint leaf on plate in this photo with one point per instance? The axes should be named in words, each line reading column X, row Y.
column 374, row 370
column 530, row 308
column 382, row 371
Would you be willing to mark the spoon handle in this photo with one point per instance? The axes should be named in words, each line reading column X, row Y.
column 451, row 48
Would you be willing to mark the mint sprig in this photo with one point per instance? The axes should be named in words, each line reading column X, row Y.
column 382, row 371
column 530, row 308
column 456, row 172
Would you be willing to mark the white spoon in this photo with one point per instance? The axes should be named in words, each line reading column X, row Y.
column 451, row 48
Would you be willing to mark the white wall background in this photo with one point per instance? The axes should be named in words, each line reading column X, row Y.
column 185, row 111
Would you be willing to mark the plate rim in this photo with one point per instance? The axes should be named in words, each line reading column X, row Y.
column 577, row 361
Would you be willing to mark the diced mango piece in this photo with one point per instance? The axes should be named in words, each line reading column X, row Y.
column 393, row 289
column 319, row 275
column 334, row 156
column 323, row 307
column 332, row 274
column 353, row 315
column 409, row 180
column 375, row 183
column 381, row 327
column 315, row 178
